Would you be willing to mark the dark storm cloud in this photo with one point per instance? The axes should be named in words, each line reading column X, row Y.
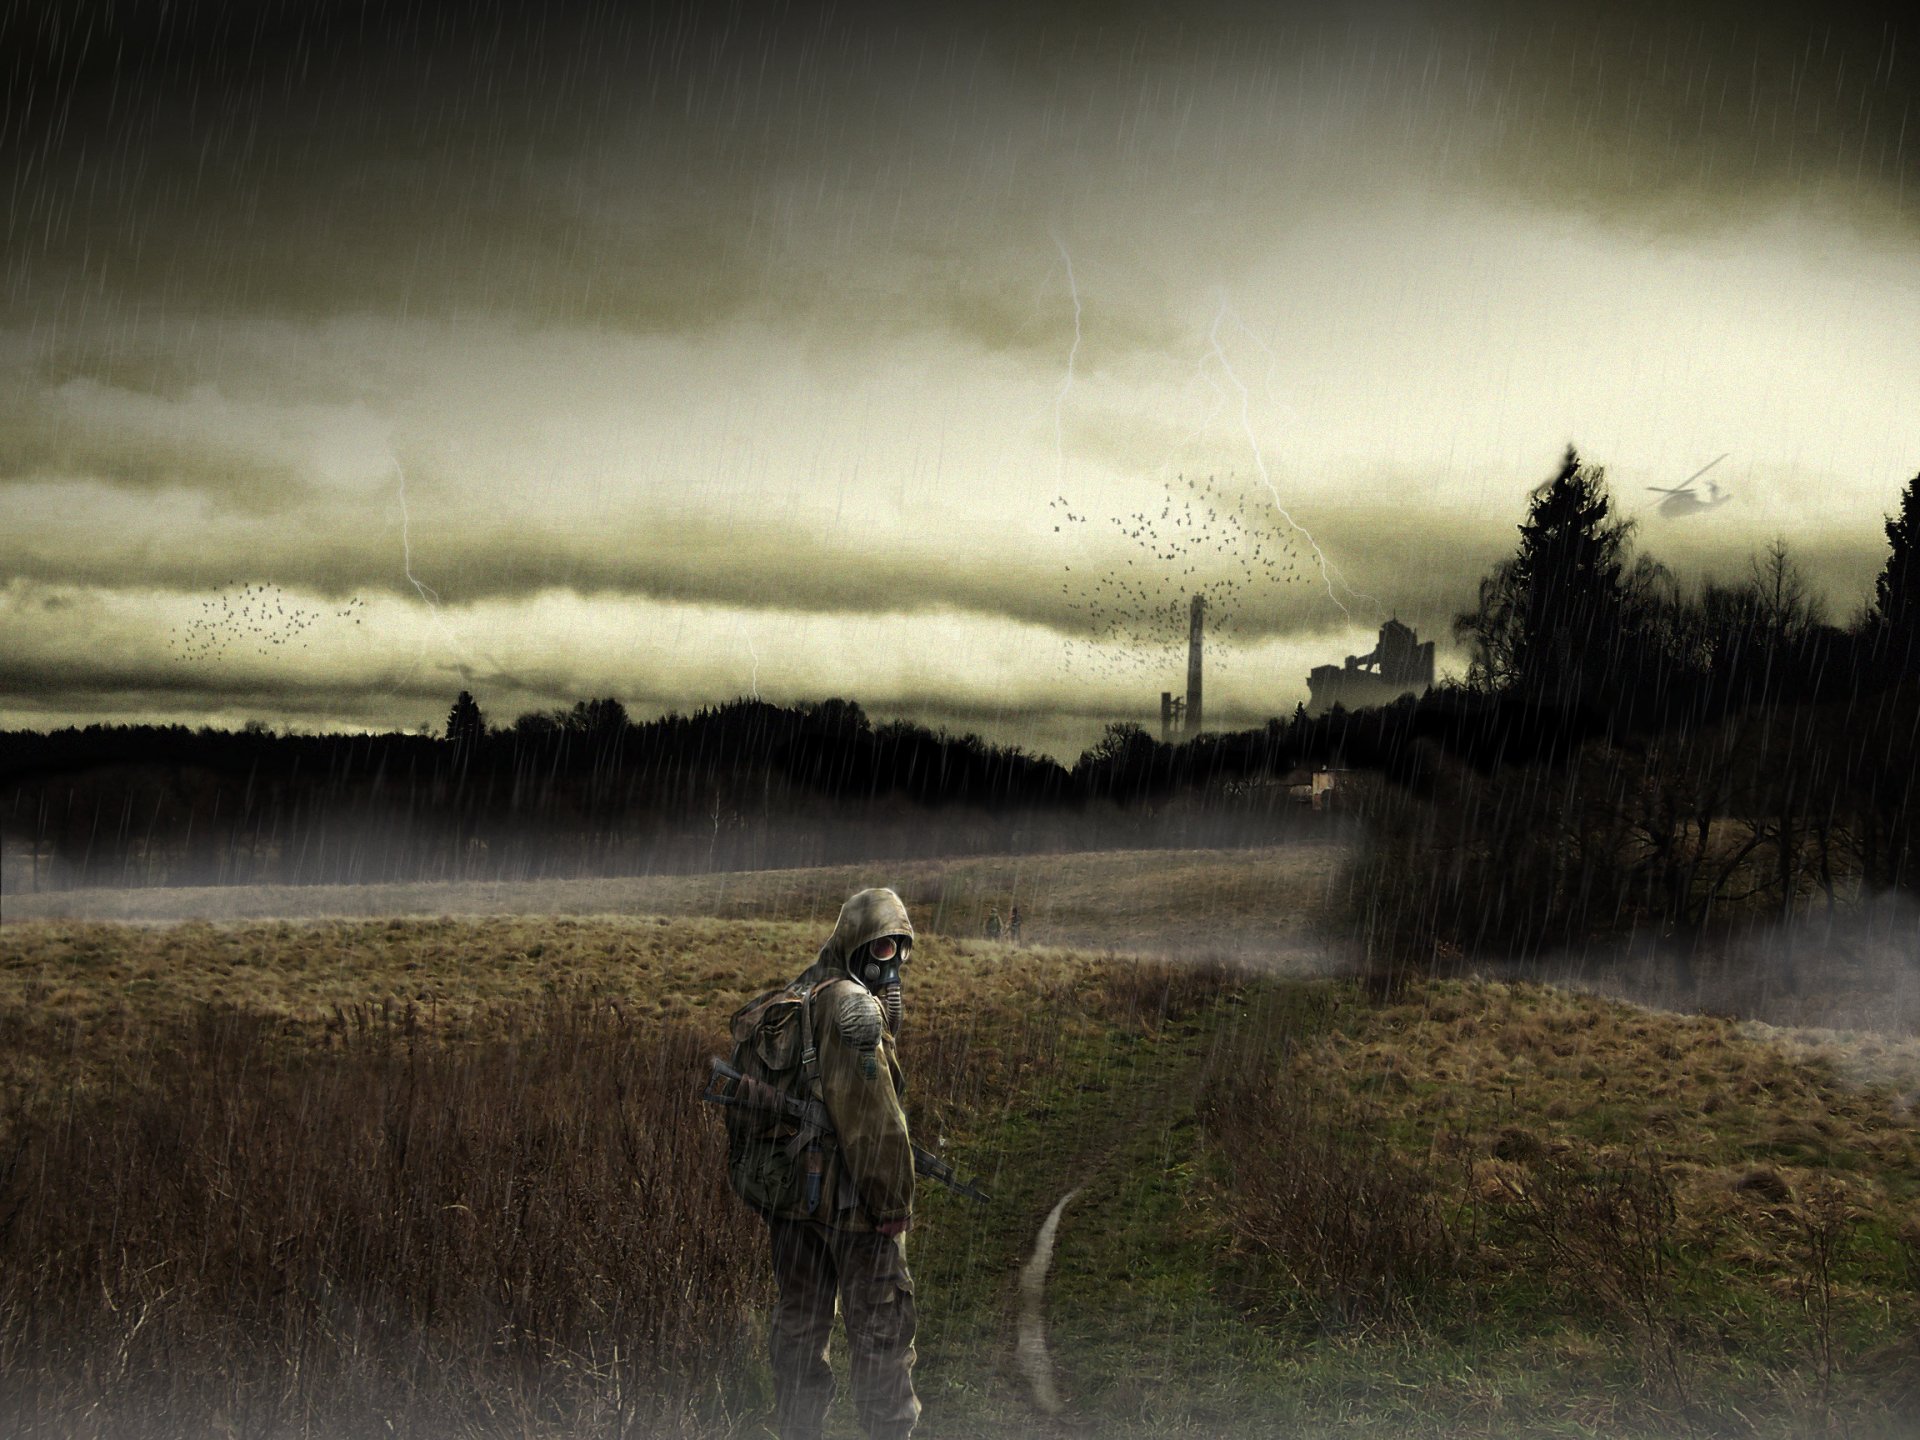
column 685, row 558
column 566, row 161
column 770, row 567
column 652, row 167
column 83, row 687
column 820, row 184
column 261, row 456
column 776, row 566
column 988, row 315
column 1695, row 114
column 664, row 167
column 131, row 685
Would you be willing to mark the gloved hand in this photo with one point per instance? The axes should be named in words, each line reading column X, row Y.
column 891, row 1228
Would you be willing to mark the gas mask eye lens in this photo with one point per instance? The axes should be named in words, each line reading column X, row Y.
column 884, row 948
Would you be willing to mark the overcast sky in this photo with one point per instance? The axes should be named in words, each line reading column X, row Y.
column 350, row 355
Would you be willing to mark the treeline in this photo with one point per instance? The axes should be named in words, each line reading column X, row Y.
column 1635, row 761
column 1629, row 756
column 588, row 790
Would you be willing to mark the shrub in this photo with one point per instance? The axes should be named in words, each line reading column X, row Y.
column 1360, row 1234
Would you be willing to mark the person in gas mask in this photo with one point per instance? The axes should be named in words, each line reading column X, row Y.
column 852, row 1243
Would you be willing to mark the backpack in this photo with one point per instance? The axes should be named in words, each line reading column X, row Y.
column 773, row 1162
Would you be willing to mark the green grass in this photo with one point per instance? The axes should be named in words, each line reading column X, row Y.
column 1160, row 1322
column 1138, row 1324
column 1176, row 1305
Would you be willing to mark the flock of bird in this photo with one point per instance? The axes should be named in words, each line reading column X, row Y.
column 1205, row 538
column 257, row 618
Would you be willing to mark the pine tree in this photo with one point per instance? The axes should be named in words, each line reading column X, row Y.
column 466, row 726
column 1551, row 621
column 1896, row 593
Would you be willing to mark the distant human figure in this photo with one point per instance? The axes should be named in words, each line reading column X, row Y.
column 1013, row 926
column 993, row 924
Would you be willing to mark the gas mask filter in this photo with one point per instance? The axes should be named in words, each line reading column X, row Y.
column 878, row 968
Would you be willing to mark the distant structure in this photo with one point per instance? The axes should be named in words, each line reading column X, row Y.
column 1174, row 710
column 1315, row 786
column 1196, row 628
column 1399, row 665
column 1172, row 707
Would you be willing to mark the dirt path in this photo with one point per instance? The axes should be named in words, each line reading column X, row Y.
column 1031, row 1347
column 1058, row 1312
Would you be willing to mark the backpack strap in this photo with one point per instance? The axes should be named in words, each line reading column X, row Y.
column 809, row 1051
column 807, row 1142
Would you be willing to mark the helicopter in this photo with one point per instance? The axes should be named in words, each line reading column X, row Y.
column 1683, row 499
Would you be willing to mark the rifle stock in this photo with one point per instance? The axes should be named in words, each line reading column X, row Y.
column 739, row 1089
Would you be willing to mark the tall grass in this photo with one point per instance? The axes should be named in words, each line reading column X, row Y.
column 1611, row 1233
column 512, row 1220
column 1360, row 1233
column 487, row 1202
column 518, row 1236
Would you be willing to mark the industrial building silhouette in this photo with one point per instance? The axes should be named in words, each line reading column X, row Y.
column 1401, row 664
column 1174, row 711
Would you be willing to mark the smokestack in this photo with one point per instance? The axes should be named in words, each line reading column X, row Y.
column 1166, row 717
column 1194, row 632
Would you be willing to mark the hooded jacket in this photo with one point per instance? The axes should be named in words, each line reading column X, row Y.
column 869, row 1177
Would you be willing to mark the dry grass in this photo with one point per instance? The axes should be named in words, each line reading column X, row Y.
column 1226, row 903
column 1358, row 1233
column 528, row 1235
column 1570, row 1070
column 319, row 1177
column 76, row 997
column 448, row 1177
column 1507, row 1155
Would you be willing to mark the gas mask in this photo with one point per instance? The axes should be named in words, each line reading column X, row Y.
column 877, row 966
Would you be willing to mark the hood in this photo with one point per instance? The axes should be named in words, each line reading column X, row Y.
column 866, row 916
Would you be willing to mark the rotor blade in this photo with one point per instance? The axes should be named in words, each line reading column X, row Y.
column 1703, row 469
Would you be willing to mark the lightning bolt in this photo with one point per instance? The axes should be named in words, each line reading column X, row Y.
column 1327, row 571
column 1180, row 447
column 1265, row 349
column 427, row 592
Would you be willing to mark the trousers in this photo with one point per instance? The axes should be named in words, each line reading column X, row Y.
column 814, row 1264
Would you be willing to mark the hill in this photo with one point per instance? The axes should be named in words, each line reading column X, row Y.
column 1208, row 903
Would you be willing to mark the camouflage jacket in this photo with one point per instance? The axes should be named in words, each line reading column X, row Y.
column 869, row 1158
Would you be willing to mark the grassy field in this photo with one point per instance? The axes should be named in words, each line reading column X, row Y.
column 1258, row 904
column 447, row 1176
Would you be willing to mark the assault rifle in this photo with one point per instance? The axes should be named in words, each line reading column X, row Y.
column 727, row 1086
